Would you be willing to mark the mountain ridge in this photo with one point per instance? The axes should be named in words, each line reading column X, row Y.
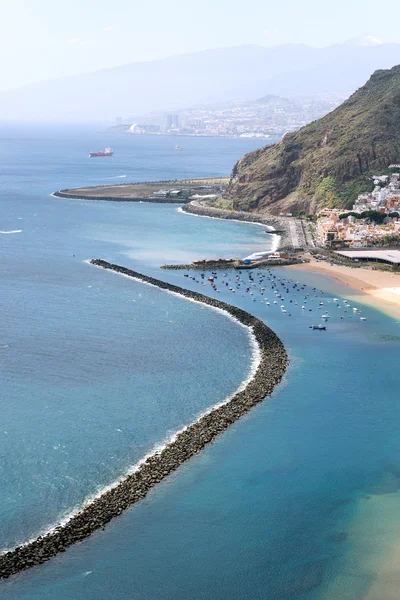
column 329, row 161
column 218, row 75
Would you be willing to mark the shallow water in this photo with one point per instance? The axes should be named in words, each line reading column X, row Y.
column 274, row 508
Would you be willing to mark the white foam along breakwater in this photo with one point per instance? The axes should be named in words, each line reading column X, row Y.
column 159, row 446
column 269, row 367
column 276, row 237
column 11, row 231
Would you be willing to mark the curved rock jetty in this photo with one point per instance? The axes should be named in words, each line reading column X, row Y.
column 187, row 443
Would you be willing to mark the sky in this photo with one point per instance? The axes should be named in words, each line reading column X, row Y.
column 42, row 39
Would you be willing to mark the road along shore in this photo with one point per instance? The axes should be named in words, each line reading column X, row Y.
column 187, row 443
column 279, row 225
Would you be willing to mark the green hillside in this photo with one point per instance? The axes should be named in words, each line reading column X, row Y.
column 328, row 162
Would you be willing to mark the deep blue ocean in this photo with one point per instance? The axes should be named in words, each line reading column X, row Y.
column 297, row 500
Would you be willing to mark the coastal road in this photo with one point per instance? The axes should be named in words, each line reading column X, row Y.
column 294, row 226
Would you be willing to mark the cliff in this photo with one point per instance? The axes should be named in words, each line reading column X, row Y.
column 328, row 162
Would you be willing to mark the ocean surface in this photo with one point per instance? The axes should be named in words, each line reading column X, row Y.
column 297, row 500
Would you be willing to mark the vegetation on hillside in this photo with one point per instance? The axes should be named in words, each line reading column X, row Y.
column 330, row 161
column 387, row 240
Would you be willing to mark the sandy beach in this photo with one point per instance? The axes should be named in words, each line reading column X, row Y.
column 381, row 289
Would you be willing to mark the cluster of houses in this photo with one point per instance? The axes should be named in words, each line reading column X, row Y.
column 385, row 197
column 351, row 232
column 331, row 230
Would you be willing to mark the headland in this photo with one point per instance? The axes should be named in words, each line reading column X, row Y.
column 184, row 445
column 158, row 192
column 195, row 196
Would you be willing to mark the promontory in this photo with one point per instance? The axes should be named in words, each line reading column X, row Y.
column 328, row 162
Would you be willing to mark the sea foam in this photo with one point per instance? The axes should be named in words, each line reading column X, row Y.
column 171, row 436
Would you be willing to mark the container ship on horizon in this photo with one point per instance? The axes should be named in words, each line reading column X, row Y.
column 106, row 152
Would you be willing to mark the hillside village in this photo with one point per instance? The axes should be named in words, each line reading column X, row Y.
column 374, row 219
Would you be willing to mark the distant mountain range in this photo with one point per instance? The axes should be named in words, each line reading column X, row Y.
column 220, row 75
column 331, row 160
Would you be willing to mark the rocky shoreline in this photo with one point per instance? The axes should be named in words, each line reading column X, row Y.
column 279, row 224
column 186, row 444
column 213, row 265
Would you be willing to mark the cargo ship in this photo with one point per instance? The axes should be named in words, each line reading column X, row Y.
column 106, row 152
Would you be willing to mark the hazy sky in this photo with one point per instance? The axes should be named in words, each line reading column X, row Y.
column 40, row 39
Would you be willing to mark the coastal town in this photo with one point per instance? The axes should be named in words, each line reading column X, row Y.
column 374, row 219
column 269, row 117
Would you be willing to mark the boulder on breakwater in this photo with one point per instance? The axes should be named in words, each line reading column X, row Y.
column 270, row 370
column 213, row 265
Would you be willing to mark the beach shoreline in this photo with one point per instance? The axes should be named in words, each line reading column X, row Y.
column 271, row 365
column 143, row 192
column 379, row 289
column 278, row 226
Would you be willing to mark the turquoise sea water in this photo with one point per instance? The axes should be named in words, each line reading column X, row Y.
column 96, row 369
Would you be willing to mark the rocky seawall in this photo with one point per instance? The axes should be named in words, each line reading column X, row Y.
column 211, row 265
column 186, row 444
column 279, row 225
column 151, row 199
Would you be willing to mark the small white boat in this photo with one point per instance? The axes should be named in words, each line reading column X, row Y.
column 363, row 318
column 325, row 316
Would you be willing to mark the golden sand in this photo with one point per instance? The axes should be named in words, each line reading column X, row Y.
column 381, row 288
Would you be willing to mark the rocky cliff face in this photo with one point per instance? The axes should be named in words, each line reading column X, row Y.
column 328, row 162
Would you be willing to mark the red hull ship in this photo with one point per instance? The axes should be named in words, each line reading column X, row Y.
column 106, row 152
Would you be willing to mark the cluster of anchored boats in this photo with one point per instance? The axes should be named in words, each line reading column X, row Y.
column 286, row 294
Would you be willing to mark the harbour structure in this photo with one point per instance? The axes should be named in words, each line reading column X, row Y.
column 95, row 515
column 391, row 257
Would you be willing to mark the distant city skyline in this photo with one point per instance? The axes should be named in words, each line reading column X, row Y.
column 46, row 39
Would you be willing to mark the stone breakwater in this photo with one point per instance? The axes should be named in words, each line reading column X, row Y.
column 210, row 265
column 150, row 199
column 186, row 444
column 280, row 225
